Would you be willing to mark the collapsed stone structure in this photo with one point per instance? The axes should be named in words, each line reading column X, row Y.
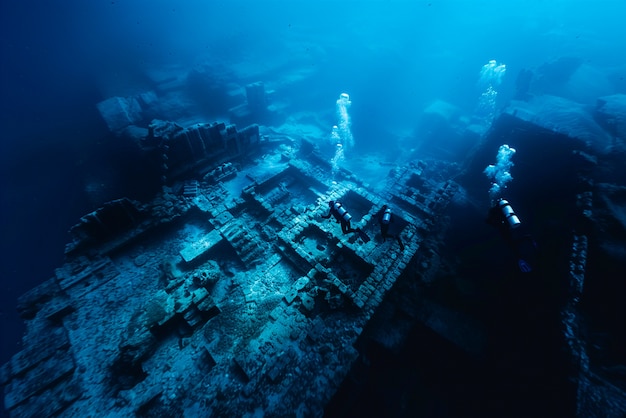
column 229, row 295
column 133, row 325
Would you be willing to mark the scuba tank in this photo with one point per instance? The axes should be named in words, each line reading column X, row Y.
column 342, row 212
column 386, row 216
column 507, row 211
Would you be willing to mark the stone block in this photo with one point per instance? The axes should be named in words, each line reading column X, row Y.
column 342, row 288
column 5, row 373
column 291, row 295
column 30, row 302
column 301, row 283
column 38, row 379
column 50, row 402
column 105, row 269
column 196, row 248
column 206, row 304
column 199, row 295
column 120, row 112
column 276, row 313
column 55, row 310
column 144, row 396
column 55, row 339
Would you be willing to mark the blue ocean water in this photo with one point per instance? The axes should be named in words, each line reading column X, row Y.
column 395, row 58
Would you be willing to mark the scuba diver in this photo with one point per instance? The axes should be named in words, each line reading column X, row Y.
column 385, row 221
column 502, row 216
column 342, row 216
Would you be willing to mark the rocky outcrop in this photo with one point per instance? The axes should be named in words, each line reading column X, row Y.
column 563, row 116
column 611, row 114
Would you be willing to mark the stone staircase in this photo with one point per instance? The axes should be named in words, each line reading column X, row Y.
column 244, row 242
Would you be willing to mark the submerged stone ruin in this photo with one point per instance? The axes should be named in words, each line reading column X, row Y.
column 228, row 294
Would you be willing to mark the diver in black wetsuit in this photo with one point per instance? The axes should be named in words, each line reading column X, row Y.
column 341, row 215
column 502, row 216
column 385, row 221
